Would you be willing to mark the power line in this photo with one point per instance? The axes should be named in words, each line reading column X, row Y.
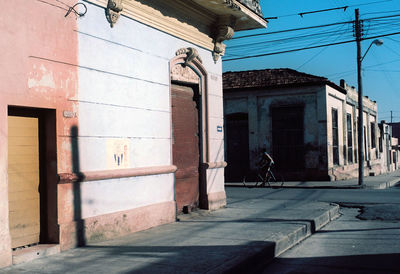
column 235, row 49
column 324, row 10
column 380, row 12
column 306, row 48
column 313, row 35
column 287, row 51
column 315, row 55
column 329, row 9
column 313, row 27
column 290, row 30
column 383, row 70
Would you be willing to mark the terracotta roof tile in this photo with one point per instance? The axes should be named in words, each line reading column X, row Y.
column 269, row 78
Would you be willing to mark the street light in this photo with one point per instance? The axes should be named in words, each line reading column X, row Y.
column 377, row 42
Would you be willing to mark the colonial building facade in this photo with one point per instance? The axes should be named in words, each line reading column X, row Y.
column 307, row 123
column 111, row 116
column 389, row 146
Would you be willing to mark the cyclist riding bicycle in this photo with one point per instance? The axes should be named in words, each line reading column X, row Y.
column 265, row 176
column 266, row 160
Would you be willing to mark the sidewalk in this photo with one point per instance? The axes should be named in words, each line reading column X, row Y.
column 251, row 229
column 373, row 182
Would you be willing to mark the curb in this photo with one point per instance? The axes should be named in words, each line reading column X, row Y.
column 301, row 187
column 264, row 252
column 382, row 185
column 388, row 184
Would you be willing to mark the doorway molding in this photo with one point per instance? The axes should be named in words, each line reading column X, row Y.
column 188, row 61
column 49, row 229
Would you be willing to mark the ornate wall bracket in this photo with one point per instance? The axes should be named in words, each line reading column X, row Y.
column 222, row 33
column 231, row 4
column 113, row 10
column 254, row 5
column 191, row 54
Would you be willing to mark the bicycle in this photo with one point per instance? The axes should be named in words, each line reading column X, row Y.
column 265, row 177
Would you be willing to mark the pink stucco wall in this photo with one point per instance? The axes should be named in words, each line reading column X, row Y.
column 39, row 70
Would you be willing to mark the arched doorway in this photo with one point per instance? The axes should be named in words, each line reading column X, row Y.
column 189, row 129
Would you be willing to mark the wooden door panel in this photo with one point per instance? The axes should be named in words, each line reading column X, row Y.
column 23, row 180
column 185, row 146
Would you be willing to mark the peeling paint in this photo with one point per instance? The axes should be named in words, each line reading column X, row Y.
column 45, row 79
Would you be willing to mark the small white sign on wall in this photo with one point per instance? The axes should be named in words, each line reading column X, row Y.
column 117, row 153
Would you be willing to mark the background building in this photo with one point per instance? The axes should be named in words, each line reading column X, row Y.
column 111, row 122
column 389, row 147
column 307, row 123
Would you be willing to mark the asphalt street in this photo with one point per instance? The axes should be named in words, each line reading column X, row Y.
column 257, row 225
column 365, row 239
column 351, row 196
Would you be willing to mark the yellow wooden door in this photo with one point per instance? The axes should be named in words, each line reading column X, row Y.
column 23, row 180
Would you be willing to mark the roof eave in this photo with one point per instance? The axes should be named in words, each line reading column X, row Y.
column 291, row 85
column 246, row 18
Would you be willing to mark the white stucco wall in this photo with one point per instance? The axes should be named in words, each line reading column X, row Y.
column 337, row 100
column 215, row 177
column 105, row 196
column 124, row 95
column 216, row 119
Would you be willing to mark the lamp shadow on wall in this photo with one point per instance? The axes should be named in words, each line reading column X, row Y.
column 77, row 197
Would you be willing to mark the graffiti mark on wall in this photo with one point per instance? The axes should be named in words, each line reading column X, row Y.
column 117, row 153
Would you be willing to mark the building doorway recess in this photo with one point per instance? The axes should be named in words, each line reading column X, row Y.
column 189, row 130
column 32, row 176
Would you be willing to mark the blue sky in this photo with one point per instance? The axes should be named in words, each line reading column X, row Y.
column 381, row 66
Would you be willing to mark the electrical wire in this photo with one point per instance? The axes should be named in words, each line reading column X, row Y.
column 328, row 9
column 238, row 51
column 306, row 48
column 290, row 30
column 315, row 55
column 312, row 27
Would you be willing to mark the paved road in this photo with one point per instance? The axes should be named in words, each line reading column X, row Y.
column 348, row 244
column 356, row 196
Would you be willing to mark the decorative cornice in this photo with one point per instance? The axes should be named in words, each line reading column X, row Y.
column 155, row 18
column 254, row 5
column 191, row 54
column 113, row 10
column 223, row 31
column 231, row 4
column 182, row 71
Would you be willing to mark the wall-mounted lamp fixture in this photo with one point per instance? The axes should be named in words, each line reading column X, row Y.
column 78, row 14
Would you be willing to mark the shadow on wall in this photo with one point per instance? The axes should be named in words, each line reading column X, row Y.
column 79, row 222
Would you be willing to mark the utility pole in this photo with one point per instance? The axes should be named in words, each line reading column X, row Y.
column 391, row 116
column 357, row 29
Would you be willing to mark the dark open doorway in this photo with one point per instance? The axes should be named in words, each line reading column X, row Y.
column 237, row 150
column 288, row 138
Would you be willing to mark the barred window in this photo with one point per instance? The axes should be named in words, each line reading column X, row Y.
column 373, row 143
column 335, row 137
column 349, row 139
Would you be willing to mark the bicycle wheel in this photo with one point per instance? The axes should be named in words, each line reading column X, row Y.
column 275, row 180
column 252, row 181
column 260, row 181
column 246, row 183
